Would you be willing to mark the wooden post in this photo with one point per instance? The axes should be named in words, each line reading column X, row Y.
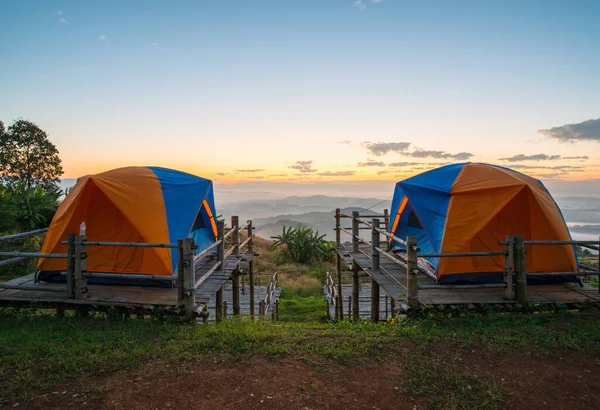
column 235, row 236
column 375, row 268
column 521, row 270
column 508, row 267
column 355, row 269
column 71, row 266
column 189, row 280
column 386, row 307
column 219, row 305
column 277, row 311
column 221, row 247
column 411, row 274
column 225, row 309
column 180, row 281
column 221, row 268
column 339, row 311
column 251, row 269
column 350, row 306
column 386, row 219
column 205, row 316
column 80, row 282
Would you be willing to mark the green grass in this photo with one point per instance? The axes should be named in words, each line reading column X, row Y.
column 442, row 387
column 302, row 309
column 38, row 352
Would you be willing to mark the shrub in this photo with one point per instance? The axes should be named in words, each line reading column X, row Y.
column 303, row 245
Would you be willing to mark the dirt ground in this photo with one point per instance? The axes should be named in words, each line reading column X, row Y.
column 565, row 381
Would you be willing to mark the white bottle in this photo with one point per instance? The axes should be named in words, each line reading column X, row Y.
column 82, row 229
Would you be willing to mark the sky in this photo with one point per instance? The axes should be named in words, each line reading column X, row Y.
column 308, row 91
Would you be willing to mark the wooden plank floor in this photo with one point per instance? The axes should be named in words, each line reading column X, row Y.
column 392, row 279
column 120, row 295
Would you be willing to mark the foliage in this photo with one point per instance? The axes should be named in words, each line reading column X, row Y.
column 583, row 252
column 303, row 245
column 28, row 156
column 27, row 244
column 23, row 208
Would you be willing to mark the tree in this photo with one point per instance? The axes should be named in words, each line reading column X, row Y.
column 27, row 156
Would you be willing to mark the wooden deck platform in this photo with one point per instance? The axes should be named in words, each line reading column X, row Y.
column 137, row 299
column 391, row 277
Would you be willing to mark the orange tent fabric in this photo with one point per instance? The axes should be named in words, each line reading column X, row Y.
column 470, row 208
column 133, row 204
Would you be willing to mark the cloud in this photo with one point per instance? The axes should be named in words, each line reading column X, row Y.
column 403, row 164
column 303, row 167
column 249, row 170
column 555, row 168
column 345, row 142
column 102, row 37
column 539, row 157
column 257, row 177
column 549, row 176
column 64, row 20
column 376, row 1
column 584, row 131
column 382, row 148
column 439, row 154
column 359, row 5
column 278, row 175
column 371, row 163
column 221, row 173
column 337, row 173
column 60, row 13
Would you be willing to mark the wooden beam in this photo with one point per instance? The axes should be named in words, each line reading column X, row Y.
column 339, row 306
column 235, row 224
column 80, row 283
column 22, row 234
column 412, row 290
column 189, row 282
column 375, row 237
column 251, row 270
column 71, row 266
column 520, row 265
column 508, row 267
column 355, row 269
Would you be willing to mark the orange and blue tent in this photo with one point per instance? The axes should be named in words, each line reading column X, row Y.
column 133, row 204
column 470, row 207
